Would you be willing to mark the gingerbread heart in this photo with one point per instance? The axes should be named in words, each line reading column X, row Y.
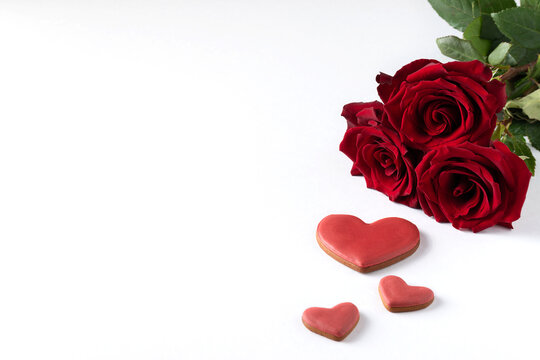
column 367, row 247
column 397, row 296
column 334, row 323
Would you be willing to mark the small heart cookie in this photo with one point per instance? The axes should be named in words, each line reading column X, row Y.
column 334, row 323
column 397, row 296
column 367, row 247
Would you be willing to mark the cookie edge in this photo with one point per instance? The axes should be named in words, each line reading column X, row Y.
column 366, row 269
column 404, row 308
column 330, row 336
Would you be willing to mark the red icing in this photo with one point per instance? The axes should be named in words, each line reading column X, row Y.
column 337, row 321
column 366, row 245
column 395, row 293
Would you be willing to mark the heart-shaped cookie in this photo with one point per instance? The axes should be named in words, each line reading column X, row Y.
column 397, row 296
column 367, row 247
column 334, row 323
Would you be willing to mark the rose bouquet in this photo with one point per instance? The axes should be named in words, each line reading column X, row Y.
column 450, row 137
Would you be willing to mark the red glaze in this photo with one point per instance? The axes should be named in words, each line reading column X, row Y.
column 396, row 294
column 334, row 323
column 367, row 245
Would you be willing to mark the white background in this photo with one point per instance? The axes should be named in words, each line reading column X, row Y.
column 163, row 167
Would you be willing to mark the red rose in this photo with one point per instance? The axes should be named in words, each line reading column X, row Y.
column 432, row 104
column 361, row 113
column 473, row 186
column 387, row 165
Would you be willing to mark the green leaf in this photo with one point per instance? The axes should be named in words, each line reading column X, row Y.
column 518, row 55
column 524, row 128
column 514, row 55
column 533, row 133
column 518, row 146
column 498, row 55
column 534, row 72
column 458, row 49
column 531, row 4
column 460, row 13
column 530, row 104
column 457, row 13
column 517, row 114
column 518, row 127
column 490, row 31
column 472, row 33
column 521, row 25
column 524, row 83
column 516, row 88
column 493, row 6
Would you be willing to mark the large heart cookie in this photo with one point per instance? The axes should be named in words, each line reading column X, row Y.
column 397, row 296
column 335, row 323
column 367, row 247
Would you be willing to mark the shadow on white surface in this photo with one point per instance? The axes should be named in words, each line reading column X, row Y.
column 527, row 225
column 359, row 330
column 425, row 244
column 435, row 305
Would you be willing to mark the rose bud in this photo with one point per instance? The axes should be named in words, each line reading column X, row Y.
column 361, row 113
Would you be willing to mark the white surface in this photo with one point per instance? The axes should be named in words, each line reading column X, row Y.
column 164, row 166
